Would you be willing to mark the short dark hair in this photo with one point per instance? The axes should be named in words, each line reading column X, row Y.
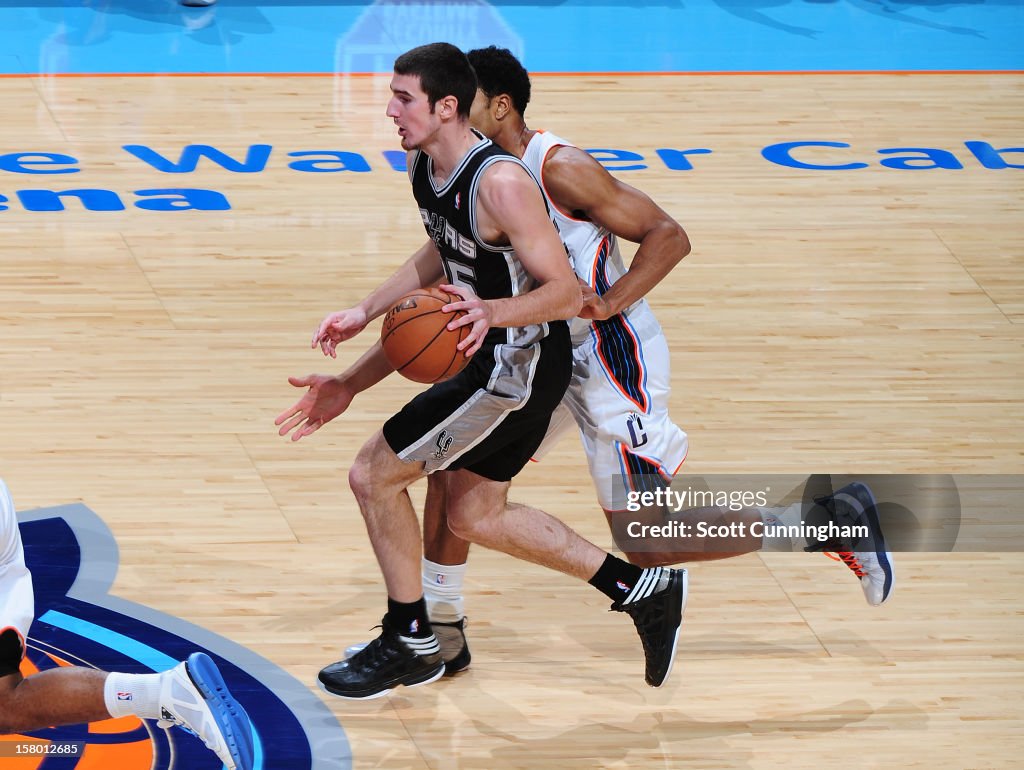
column 499, row 72
column 443, row 71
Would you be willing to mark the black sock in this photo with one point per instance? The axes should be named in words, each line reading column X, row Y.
column 616, row 578
column 409, row 619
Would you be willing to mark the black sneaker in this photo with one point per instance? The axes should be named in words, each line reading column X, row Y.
column 454, row 649
column 381, row 666
column 657, row 619
column 853, row 509
column 451, row 637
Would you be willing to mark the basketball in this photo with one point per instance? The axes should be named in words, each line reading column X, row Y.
column 416, row 339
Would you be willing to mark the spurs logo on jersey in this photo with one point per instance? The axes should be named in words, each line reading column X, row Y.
column 444, row 233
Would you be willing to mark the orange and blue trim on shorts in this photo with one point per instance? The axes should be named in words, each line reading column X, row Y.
column 616, row 343
column 642, row 474
column 639, row 472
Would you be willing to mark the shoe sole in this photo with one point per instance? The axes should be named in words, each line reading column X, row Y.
column 675, row 639
column 380, row 693
column 891, row 582
column 231, row 717
column 449, row 669
column 884, row 556
column 453, row 666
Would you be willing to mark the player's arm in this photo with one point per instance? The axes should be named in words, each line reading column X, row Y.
column 328, row 396
column 510, row 206
column 581, row 187
column 371, row 367
column 423, row 268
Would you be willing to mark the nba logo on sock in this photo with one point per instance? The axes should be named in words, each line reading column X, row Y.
column 441, row 580
column 622, row 586
column 414, row 627
column 124, row 696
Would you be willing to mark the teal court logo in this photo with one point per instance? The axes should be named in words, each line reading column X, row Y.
column 73, row 559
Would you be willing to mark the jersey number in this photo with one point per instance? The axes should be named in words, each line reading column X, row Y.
column 460, row 273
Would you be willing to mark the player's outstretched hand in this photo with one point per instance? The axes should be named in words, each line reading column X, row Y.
column 478, row 313
column 338, row 327
column 326, row 398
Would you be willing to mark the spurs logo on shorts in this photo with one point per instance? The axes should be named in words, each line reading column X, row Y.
column 443, row 443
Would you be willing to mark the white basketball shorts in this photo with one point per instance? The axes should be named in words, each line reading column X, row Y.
column 618, row 398
column 17, row 601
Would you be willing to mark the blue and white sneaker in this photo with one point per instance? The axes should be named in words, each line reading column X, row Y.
column 193, row 696
column 867, row 557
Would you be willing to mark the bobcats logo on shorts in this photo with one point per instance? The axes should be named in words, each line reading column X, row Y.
column 443, row 443
column 637, row 434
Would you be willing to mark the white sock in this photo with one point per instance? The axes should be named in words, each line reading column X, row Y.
column 442, row 590
column 132, row 695
column 780, row 533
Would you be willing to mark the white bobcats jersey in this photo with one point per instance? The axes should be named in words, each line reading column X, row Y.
column 618, row 395
column 594, row 252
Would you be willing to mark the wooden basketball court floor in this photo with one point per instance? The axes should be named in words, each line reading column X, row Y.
column 859, row 321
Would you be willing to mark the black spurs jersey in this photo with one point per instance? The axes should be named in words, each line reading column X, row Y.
column 449, row 216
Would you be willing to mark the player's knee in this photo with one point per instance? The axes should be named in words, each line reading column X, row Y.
column 471, row 524
column 360, row 478
column 462, row 525
column 8, row 714
column 365, row 472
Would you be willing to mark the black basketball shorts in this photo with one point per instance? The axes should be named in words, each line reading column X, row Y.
column 12, row 650
column 492, row 416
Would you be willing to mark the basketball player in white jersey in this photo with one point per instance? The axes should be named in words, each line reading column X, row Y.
column 190, row 695
column 619, row 391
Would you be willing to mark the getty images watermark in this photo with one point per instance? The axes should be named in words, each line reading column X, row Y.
column 702, row 502
column 731, row 513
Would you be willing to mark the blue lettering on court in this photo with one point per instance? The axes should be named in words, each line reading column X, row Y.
column 805, row 155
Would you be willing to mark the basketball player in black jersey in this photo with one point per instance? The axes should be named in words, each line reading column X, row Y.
column 492, row 244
